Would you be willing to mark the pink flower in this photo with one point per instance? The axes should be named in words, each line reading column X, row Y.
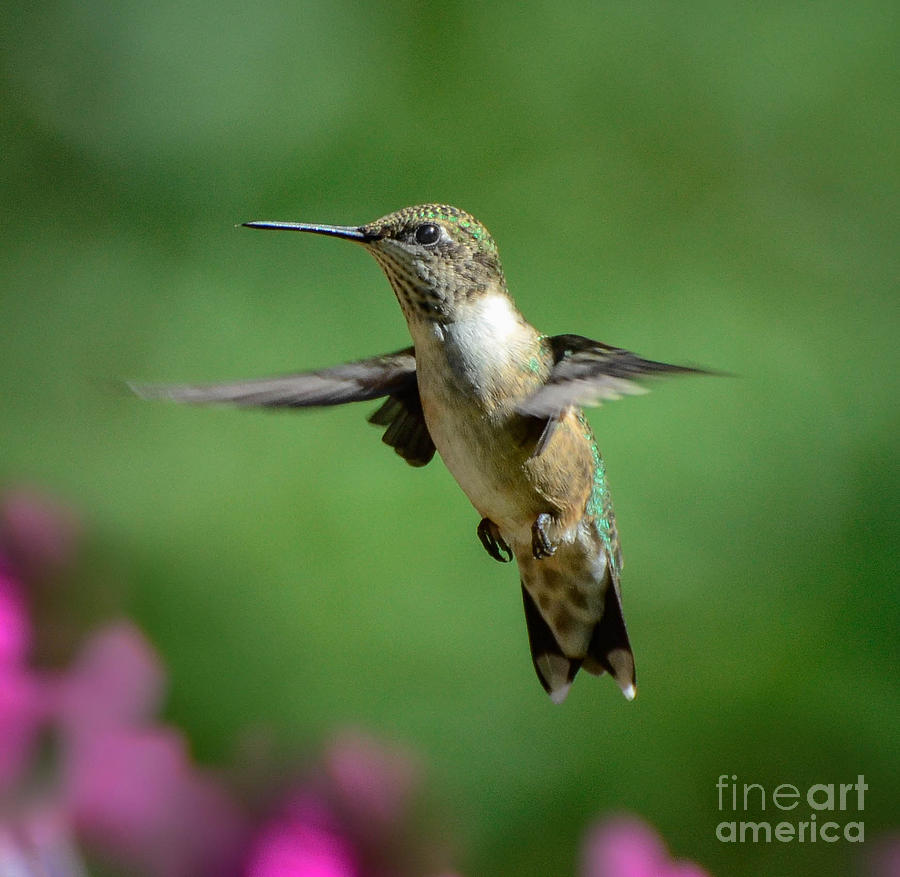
column 37, row 534
column 134, row 794
column 128, row 784
column 300, row 842
column 22, row 703
column 372, row 786
column 116, row 680
column 627, row 847
column 15, row 628
column 39, row 844
column 124, row 786
column 22, row 708
column 885, row 857
column 353, row 816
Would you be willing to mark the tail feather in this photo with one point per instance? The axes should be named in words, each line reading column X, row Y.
column 605, row 647
column 554, row 670
column 609, row 649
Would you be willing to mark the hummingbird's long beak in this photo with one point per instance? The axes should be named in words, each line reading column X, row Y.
column 348, row 232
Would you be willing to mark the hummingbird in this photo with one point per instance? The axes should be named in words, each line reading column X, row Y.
column 501, row 403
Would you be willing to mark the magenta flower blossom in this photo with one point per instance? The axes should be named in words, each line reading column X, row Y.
column 628, row 847
column 884, row 858
column 35, row 538
column 353, row 816
column 15, row 628
column 302, row 841
column 22, row 703
column 372, row 786
column 37, row 534
column 123, row 786
column 128, row 784
column 39, row 845
column 117, row 680
column 22, row 708
column 122, row 783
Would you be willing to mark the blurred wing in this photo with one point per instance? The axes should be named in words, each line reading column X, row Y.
column 350, row 382
column 392, row 375
column 587, row 372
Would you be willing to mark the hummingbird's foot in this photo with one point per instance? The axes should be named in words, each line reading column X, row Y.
column 489, row 534
column 541, row 546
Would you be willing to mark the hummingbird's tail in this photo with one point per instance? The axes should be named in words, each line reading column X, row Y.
column 554, row 669
column 608, row 649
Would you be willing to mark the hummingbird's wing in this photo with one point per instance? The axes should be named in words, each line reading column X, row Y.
column 392, row 375
column 349, row 382
column 587, row 372
column 406, row 430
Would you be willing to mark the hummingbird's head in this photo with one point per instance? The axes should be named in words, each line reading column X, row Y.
column 436, row 257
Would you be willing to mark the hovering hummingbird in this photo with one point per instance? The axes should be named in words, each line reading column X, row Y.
column 501, row 403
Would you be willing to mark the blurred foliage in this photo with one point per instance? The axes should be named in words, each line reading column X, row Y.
column 699, row 182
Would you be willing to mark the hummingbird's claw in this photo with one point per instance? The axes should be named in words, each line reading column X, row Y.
column 489, row 534
column 541, row 546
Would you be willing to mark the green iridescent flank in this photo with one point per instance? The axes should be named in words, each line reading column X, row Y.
column 534, row 365
column 599, row 504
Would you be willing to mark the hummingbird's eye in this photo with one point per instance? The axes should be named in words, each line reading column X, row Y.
column 427, row 234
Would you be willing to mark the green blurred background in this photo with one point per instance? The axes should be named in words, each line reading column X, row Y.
column 699, row 182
